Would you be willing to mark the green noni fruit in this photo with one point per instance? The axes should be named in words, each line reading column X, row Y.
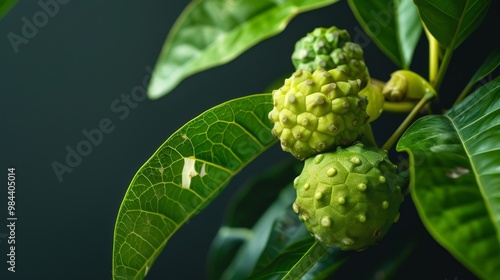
column 329, row 48
column 348, row 198
column 315, row 111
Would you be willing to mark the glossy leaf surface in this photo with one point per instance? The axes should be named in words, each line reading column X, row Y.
column 248, row 255
column 394, row 25
column 452, row 21
column 456, row 178
column 209, row 33
column 183, row 176
column 294, row 261
column 249, row 220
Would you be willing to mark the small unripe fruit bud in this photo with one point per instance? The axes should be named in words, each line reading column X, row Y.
column 406, row 85
column 329, row 48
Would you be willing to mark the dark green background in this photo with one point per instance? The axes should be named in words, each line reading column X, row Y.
column 65, row 79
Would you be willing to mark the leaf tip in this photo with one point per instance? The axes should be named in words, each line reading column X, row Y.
column 155, row 90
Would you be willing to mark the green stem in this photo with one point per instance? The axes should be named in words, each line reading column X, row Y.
column 433, row 55
column 399, row 107
column 404, row 125
column 442, row 69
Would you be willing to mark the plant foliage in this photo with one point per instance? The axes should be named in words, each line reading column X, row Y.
column 453, row 174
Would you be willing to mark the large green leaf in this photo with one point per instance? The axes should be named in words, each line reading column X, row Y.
column 276, row 229
column 247, row 256
column 377, row 263
column 456, row 178
column 295, row 261
column 452, row 21
column 289, row 252
column 287, row 229
column 5, row 6
column 249, row 219
column 212, row 32
column 286, row 255
column 394, row 25
column 183, row 176
column 273, row 244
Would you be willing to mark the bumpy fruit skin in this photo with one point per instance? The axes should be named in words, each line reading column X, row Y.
column 329, row 48
column 348, row 198
column 315, row 111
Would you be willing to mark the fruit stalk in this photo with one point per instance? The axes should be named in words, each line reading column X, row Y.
column 408, row 120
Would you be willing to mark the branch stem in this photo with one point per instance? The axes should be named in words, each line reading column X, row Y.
column 442, row 69
column 433, row 55
column 409, row 119
column 399, row 107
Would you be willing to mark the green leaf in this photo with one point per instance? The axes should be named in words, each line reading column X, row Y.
column 183, row 176
column 224, row 248
column 251, row 213
column 456, row 178
column 5, row 6
column 248, row 255
column 295, row 261
column 277, row 228
column 327, row 265
column 383, row 259
column 452, row 21
column 286, row 229
column 209, row 33
column 394, row 25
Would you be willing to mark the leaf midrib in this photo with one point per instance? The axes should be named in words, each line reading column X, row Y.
column 191, row 214
column 166, row 52
column 473, row 166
